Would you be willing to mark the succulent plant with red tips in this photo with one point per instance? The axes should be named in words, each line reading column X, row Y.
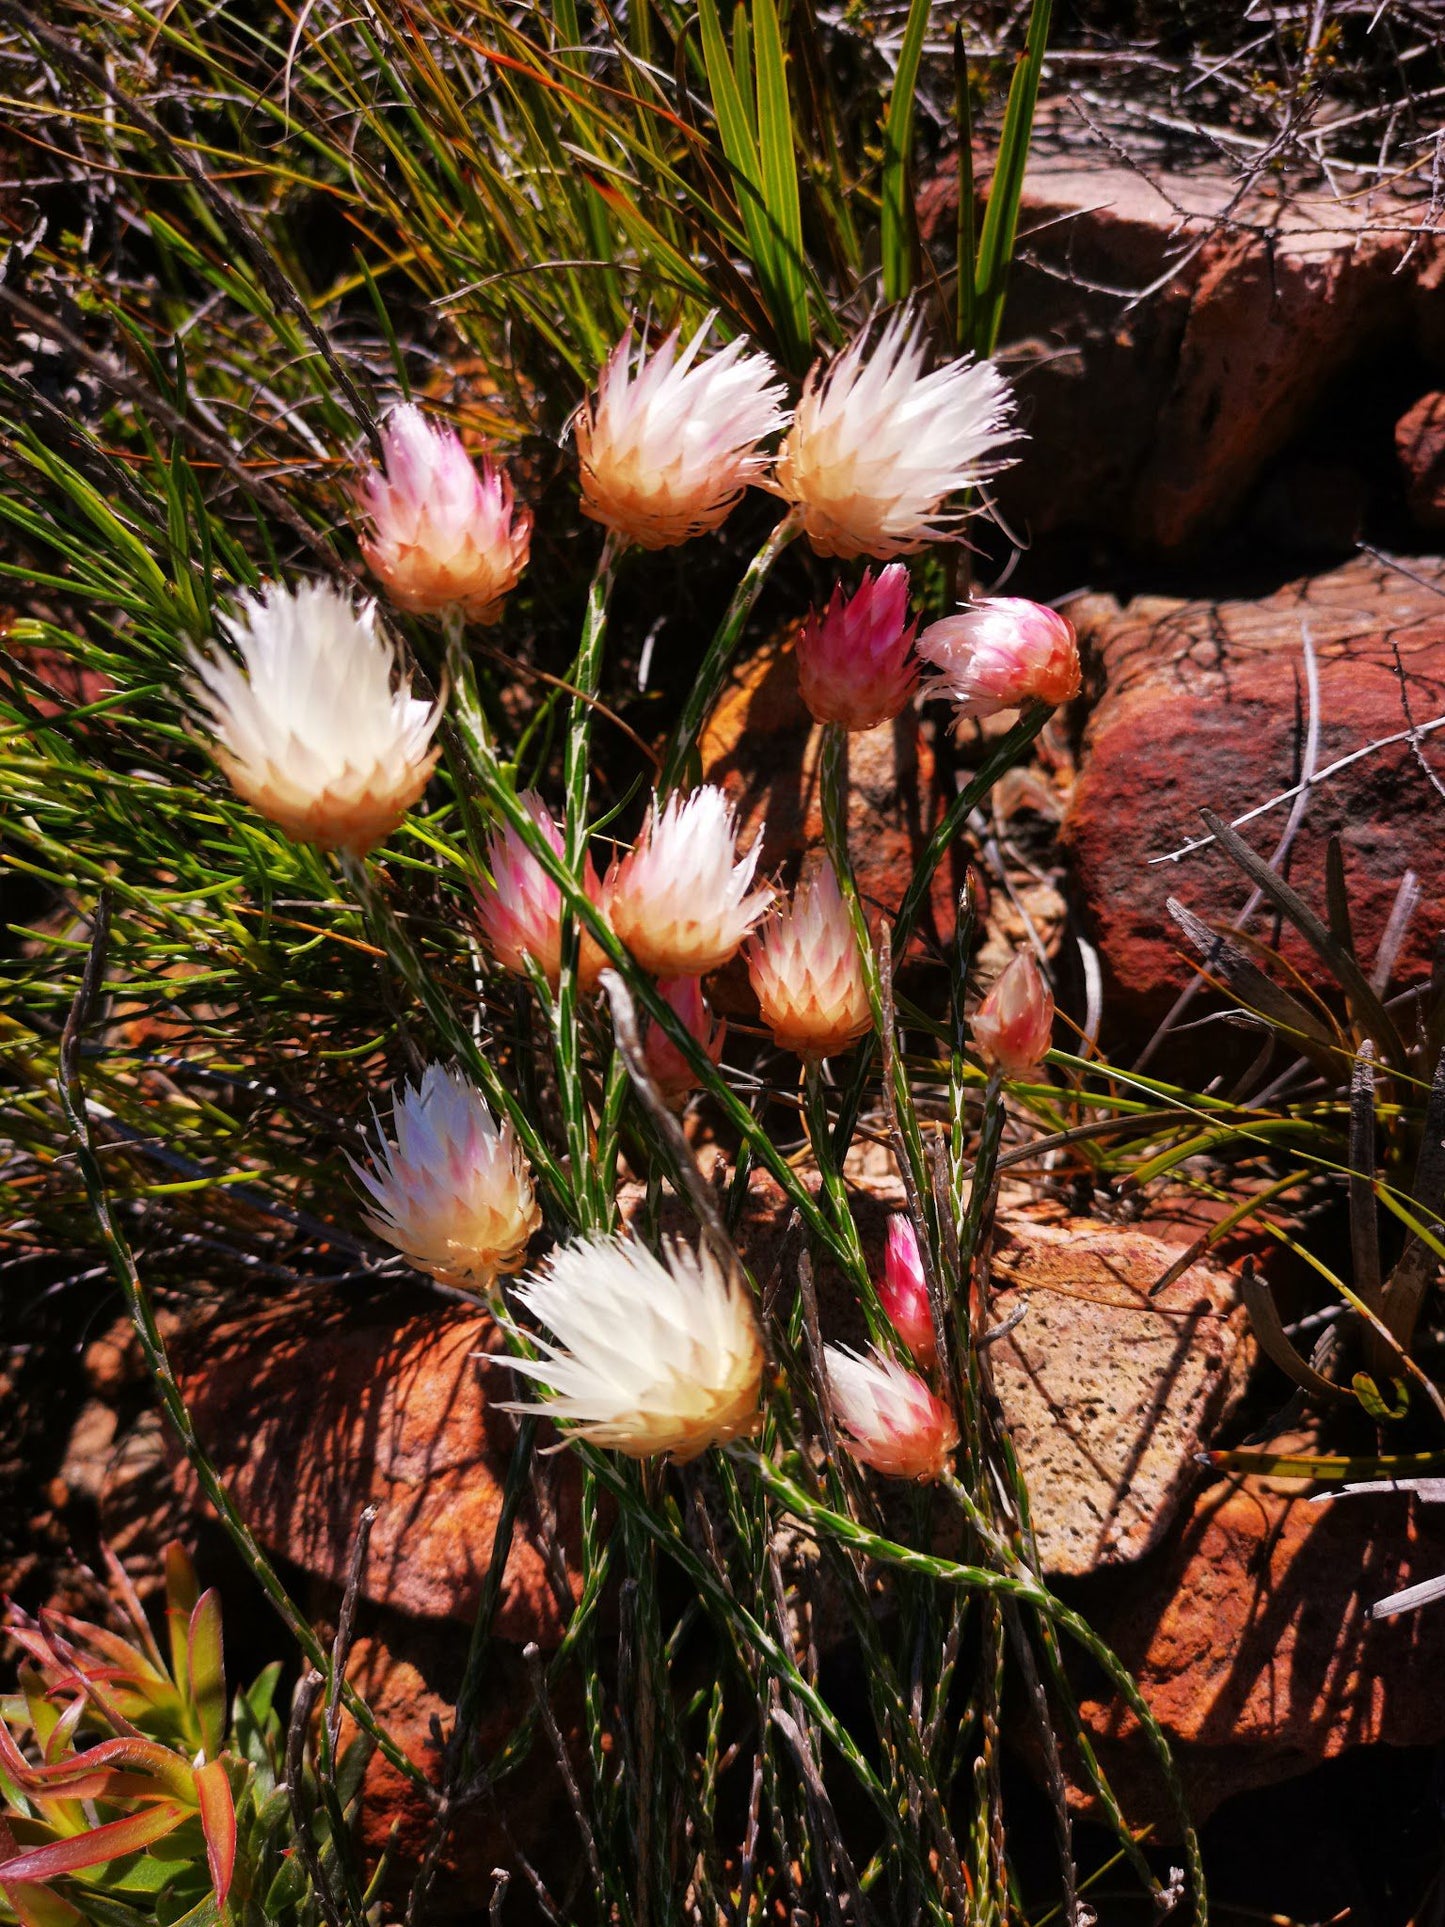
column 126, row 1795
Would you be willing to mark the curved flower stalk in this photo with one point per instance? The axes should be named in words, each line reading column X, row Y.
column 443, row 534
column 877, row 447
column 648, row 1355
column 520, row 907
column 893, row 1422
column 999, row 653
column 807, row 971
column 682, row 899
column 856, row 665
column 453, row 1193
column 904, row 1294
column 308, row 727
column 670, row 441
column 1014, row 1025
column 665, row 1063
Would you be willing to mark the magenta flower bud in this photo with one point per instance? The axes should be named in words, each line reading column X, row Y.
column 892, row 1421
column 666, row 1065
column 855, row 660
column 1014, row 1024
column 1000, row 653
column 442, row 534
column 904, row 1296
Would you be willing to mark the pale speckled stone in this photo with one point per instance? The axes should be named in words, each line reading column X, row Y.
column 1110, row 1394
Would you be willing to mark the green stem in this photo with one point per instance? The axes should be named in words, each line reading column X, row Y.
column 594, row 1207
column 465, row 706
column 709, row 679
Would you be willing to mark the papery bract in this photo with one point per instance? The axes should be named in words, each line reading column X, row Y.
column 520, row 906
column 671, row 440
column 647, row 1354
column 1014, row 1025
column 807, row 970
column 877, row 447
column 904, row 1293
column 999, row 653
column 453, row 1193
column 308, row 727
column 682, row 899
column 443, row 532
column 891, row 1419
column 666, row 1065
column 855, row 659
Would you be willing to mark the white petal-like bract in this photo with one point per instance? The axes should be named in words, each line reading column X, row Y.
column 671, row 440
column 877, row 446
column 453, row 1193
column 892, row 1420
column 682, row 900
column 311, row 726
column 807, row 970
column 647, row 1354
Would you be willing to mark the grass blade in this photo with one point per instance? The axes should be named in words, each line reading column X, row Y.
column 898, row 225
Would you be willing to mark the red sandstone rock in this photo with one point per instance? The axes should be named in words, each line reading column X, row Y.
column 1420, row 445
column 409, row 1674
column 1250, row 1638
column 312, row 1409
column 1150, row 418
column 1203, row 707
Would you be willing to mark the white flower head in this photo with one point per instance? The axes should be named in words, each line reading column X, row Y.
column 308, row 726
column 682, row 899
column 647, row 1354
column 807, row 971
column 453, row 1193
column 877, row 446
column 892, row 1420
column 671, row 441
column 443, row 534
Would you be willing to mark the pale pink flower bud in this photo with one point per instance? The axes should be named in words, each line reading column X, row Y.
column 1000, row 653
column 453, row 1194
column 671, row 442
column 807, row 971
column 855, row 660
column 1014, row 1025
column 520, row 906
column 904, row 1296
column 648, row 1354
column 442, row 535
column 892, row 1421
column 313, row 727
column 682, row 899
column 666, row 1065
column 877, row 446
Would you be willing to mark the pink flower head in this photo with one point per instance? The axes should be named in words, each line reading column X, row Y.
column 669, row 1069
column 893, row 1422
column 999, row 653
column 670, row 441
column 682, row 900
column 855, row 660
column 443, row 534
column 905, row 1291
column 520, row 906
column 807, row 972
column 1014, row 1024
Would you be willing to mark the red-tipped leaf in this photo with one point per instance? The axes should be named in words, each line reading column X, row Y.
column 218, row 1823
column 93, row 1849
column 205, row 1663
